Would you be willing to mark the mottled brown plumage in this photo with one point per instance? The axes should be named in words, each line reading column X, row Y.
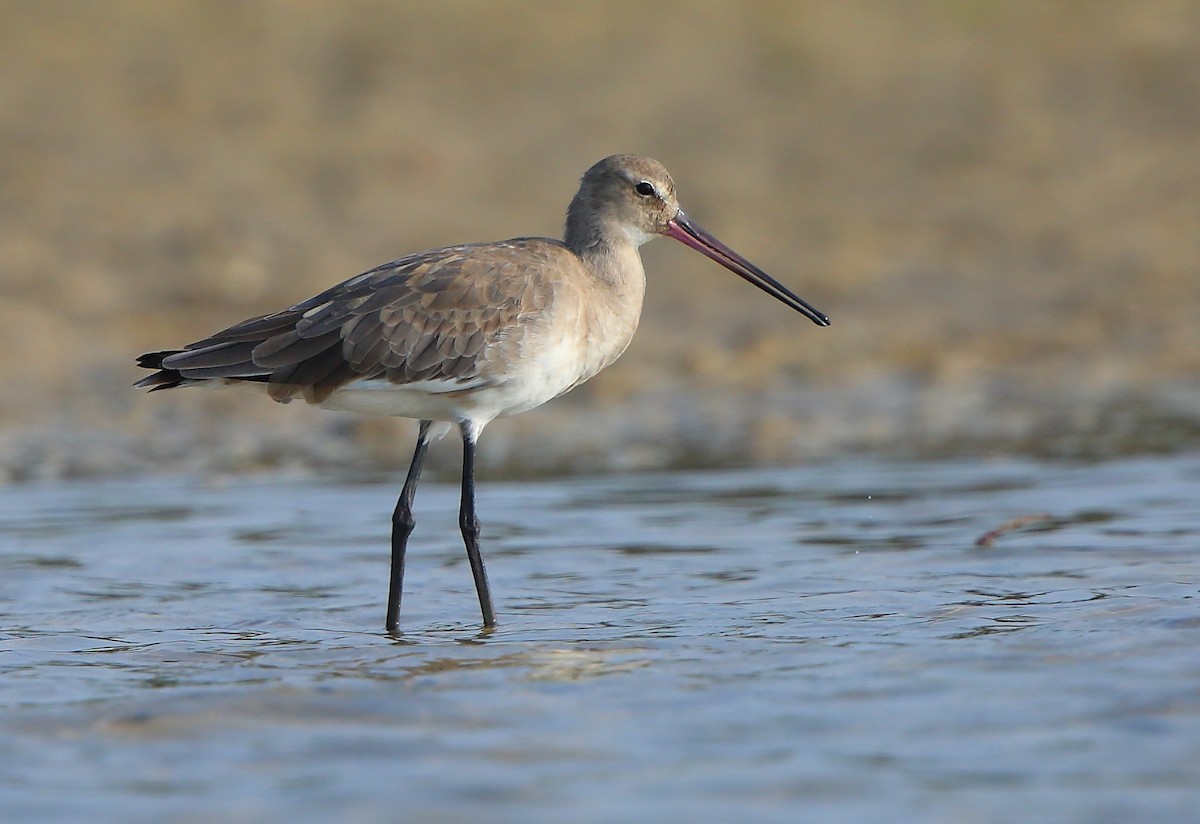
column 433, row 316
column 465, row 334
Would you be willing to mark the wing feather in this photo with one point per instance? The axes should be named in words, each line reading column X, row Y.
column 230, row 353
column 438, row 316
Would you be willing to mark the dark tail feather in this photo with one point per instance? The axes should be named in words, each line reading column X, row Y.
column 163, row 378
column 153, row 360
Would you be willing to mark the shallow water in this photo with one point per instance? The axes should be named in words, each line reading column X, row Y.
column 822, row 643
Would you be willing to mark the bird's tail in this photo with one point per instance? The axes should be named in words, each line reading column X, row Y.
column 163, row 378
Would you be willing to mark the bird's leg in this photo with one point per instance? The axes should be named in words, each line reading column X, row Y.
column 402, row 526
column 468, row 522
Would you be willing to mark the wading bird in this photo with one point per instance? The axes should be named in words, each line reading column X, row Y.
column 465, row 334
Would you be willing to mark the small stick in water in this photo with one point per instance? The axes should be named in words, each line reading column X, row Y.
column 989, row 538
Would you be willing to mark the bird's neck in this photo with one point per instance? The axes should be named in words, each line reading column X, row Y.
column 606, row 246
column 583, row 230
column 617, row 265
column 590, row 225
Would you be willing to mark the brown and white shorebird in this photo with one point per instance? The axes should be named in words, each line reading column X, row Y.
column 462, row 335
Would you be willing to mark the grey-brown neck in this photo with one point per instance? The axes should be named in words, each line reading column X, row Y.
column 603, row 245
column 583, row 231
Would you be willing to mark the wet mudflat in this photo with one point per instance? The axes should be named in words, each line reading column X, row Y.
column 819, row 643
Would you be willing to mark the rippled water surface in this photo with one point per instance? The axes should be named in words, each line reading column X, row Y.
column 824, row 643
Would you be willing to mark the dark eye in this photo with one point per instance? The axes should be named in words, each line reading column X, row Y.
column 645, row 189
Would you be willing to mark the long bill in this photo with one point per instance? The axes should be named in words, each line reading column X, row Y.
column 689, row 234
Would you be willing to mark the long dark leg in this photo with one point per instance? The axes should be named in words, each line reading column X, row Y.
column 402, row 526
column 468, row 522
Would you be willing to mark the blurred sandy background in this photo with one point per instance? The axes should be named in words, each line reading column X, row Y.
column 998, row 205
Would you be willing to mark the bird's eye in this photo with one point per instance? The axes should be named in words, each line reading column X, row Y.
column 645, row 189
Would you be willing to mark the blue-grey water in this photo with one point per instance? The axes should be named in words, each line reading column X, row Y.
column 824, row 643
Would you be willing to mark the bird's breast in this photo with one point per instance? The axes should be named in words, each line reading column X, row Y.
column 581, row 334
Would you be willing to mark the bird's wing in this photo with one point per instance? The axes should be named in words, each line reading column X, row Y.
column 430, row 317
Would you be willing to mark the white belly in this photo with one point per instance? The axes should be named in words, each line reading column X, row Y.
column 535, row 380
